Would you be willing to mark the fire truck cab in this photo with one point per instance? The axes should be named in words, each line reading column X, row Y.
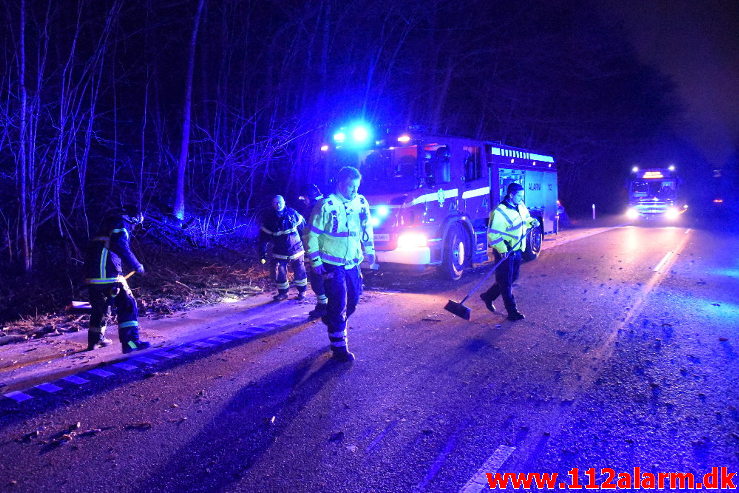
column 431, row 196
column 653, row 194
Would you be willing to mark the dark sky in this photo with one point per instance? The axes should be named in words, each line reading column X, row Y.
column 697, row 44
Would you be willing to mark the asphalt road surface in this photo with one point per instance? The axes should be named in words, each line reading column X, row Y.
column 627, row 358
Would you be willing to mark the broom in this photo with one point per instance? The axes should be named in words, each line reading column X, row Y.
column 462, row 311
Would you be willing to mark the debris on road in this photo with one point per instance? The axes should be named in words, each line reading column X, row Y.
column 337, row 437
column 138, row 426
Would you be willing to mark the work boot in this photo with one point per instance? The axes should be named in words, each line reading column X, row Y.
column 132, row 346
column 342, row 355
column 319, row 311
column 488, row 300
column 515, row 315
column 280, row 297
column 301, row 296
column 96, row 340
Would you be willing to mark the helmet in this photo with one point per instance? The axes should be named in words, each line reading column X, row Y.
column 129, row 213
column 311, row 192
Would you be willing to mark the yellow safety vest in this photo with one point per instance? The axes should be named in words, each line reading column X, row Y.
column 508, row 225
column 339, row 230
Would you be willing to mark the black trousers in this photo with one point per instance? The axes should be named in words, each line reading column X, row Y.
column 343, row 288
column 279, row 274
column 505, row 275
column 118, row 295
column 317, row 285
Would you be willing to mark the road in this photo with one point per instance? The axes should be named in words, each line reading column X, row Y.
column 627, row 358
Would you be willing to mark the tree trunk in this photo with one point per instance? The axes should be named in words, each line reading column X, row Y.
column 179, row 204
column 23, row 141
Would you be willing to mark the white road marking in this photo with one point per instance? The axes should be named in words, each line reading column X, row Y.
column 479, row 480
column 49, row 387
column 164, row 354
column 18, row 396
column 202, row 344
column 658, row 267
column 101, row 373
column 575, row 237
column 144, row 360
column 76, row 380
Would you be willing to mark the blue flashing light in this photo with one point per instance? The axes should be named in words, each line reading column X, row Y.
column 360, row 134
column 382, row 211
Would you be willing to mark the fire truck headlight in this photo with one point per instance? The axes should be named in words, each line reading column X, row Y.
column 672, row 213
column 412, row 240
column 339, row 137
column 632, row 213
column 382, row 211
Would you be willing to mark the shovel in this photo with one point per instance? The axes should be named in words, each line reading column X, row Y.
column 462, row 311
column 84, row 306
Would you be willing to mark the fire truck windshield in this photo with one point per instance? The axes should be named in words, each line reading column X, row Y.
column 387, row 171
column 662, row 189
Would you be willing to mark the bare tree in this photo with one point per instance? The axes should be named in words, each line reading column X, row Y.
column 179, row 204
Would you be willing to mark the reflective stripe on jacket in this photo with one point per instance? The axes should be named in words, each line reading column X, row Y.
column 340, row 230
column 507, row 225
column 106, row 251
column 283, row 230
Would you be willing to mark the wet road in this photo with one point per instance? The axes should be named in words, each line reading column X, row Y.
column 627, row 358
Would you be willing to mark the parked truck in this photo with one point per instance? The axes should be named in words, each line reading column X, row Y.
column 431, row 195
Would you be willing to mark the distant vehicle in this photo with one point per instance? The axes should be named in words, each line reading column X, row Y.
column 653, row 194
column 431, row 195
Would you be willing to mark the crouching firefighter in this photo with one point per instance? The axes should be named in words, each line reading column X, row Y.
column 106, row 285
column 310, row 197
column 282, row 227
column 340, row 231
column 509, row 223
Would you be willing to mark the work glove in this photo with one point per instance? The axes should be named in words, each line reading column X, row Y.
column 370, row 258
column 535, row 223
column 140, row 269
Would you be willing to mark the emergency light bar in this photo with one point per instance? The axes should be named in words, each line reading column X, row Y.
column 358, row 134
column 652, row 175
column 521, row 154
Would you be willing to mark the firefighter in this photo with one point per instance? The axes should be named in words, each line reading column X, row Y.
column 340, row 235
column 106, row 285
column 311, row 195
column 282, row 227
column 507, row 228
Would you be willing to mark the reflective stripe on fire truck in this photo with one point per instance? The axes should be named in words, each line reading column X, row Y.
column 476, row 192
column 436, row 196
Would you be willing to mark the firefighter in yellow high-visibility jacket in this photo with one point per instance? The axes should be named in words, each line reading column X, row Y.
column 338, row 240
column 507, row 228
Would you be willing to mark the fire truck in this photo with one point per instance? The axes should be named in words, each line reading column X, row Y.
column 653, row 194
column 431, row 195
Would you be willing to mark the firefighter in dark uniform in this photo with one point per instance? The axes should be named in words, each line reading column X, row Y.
column 340, row 235
column 509, row 223
column 282, row 227
column 310, row 197
column 106, row 285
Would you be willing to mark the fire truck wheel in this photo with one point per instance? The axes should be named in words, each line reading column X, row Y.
column 533, row 243
column 456, row 252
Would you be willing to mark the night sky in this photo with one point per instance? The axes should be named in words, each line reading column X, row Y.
column 697, row 44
